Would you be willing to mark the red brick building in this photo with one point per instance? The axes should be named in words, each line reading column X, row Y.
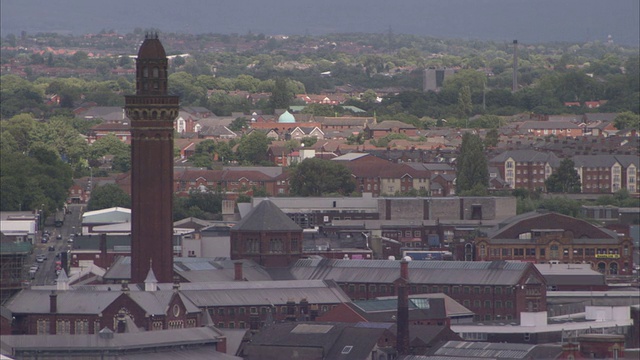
column 556, row 238
column 493, row 290
column 525, row 169
column 267, row 236
column 88, row 312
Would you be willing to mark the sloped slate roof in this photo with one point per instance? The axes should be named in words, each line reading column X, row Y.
column 420, row 272
column 265, row 293
column 69, row 302
column 527, row 156
column 266, row 217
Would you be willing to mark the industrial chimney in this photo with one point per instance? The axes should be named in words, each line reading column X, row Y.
column 402, row 285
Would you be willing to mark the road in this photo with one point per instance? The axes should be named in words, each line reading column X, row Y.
column 72, row 224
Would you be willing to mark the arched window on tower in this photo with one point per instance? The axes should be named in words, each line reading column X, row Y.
column 154, row 115
column 156, row 72
column 145, row 72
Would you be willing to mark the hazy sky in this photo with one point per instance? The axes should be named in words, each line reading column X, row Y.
column 529, row 21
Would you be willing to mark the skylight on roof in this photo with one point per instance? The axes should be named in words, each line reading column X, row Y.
column 347, row 349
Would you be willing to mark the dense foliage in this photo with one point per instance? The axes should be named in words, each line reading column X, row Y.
column 107, row 196
column 318, row 177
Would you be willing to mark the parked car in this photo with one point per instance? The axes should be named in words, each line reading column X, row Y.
column 52, row 248
column 59, row 236
column 45, row 240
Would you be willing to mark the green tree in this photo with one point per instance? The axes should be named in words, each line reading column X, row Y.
column 627, row 120
column 29, row 180
column 239, row 124
column 464, row 101
column 280, row 96
column 318, row 177
column 107, row 196
column 492, row 138
column 472, row 167
column 565, row 179
column 253, row 148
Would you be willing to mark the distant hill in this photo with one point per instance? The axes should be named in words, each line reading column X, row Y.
column 529, row 21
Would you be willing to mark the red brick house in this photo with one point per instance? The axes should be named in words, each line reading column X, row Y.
column 375, row 131
column 122, row 130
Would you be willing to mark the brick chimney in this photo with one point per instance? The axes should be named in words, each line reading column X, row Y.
column 402, row 284
column 304, row 310
column 103, row 252
column 53, row 302
column 237, row 271
column 291, row 310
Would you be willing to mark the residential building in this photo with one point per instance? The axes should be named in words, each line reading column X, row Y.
column 607, row 173
column 525, row 169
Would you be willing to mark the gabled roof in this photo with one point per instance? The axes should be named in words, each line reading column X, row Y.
column 266, row 217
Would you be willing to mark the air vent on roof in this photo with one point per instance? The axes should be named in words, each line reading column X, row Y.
column 347, row 349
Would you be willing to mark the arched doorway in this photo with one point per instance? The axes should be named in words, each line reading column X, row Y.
column 602, row 267
column 613, row 268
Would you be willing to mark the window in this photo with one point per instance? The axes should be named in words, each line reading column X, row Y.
column 456, row 290
column 82, row 327
column 434, row 289
column 43, row 326
column 498, row 304
column 487, row 290
column 498, row 290
column 63, row 327
column 220, row 311
column 508, row 304
column 467, row 290
column 530, row 252
column 476, row 303
column 253, row 310
column 506, row 252
column 241, row 311
column 476, row 290
column 487, row 304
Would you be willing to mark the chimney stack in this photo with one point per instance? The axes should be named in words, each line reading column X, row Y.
column 103, row 251
column 53, row 302
column 402, row 284
column 291, row 310
column 237, row 271
column 304, row 310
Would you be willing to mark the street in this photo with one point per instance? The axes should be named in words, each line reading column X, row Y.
column 46, row 273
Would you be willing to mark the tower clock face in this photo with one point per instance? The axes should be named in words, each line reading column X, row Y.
column 176, row 310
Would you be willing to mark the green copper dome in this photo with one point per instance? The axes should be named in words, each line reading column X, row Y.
column 286, row 117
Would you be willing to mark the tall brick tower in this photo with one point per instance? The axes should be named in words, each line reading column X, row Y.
column 152, row 113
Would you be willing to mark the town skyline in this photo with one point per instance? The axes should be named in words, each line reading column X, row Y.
column 497, row 20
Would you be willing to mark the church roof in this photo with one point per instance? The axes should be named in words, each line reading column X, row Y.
column 151, row 48
column 266, row 216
